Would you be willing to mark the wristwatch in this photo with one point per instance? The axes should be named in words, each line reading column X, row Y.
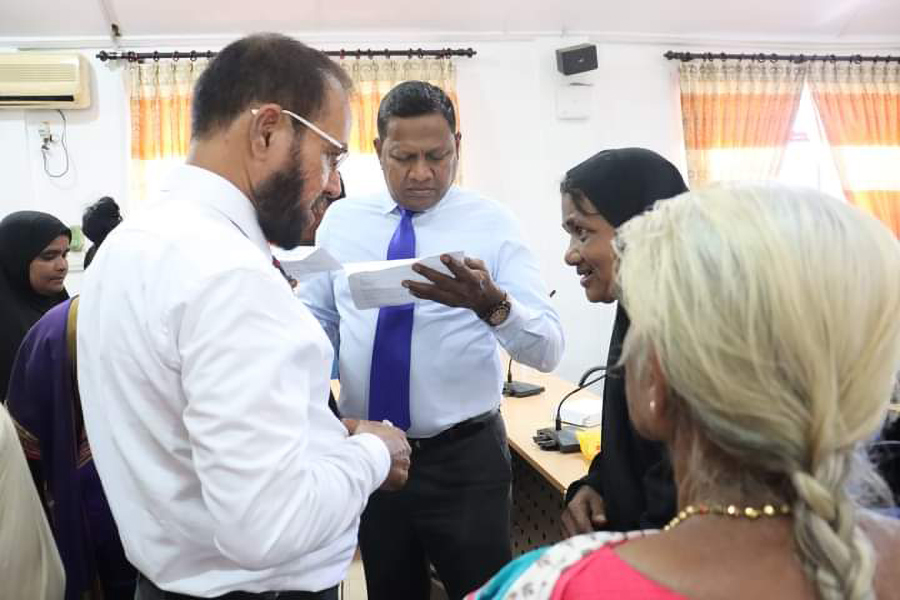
column 497, row 314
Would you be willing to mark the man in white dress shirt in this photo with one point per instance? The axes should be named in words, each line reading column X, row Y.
column 204, row 381
column 433, row 368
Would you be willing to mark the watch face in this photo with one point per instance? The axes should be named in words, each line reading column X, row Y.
column 499, row 315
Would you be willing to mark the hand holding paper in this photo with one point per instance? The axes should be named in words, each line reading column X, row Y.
column 380, row 283
column 468, row 284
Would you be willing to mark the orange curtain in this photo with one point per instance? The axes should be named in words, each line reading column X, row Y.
column 373, row 78
column 160, row 96
column 737, row 117
column 859, row 109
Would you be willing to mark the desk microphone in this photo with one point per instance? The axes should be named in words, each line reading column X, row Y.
column 520, row 389
column 557, row 438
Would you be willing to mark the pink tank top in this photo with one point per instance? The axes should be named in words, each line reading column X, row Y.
column 602, row 574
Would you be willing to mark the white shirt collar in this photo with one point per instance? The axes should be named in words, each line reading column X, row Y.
column 387, row 204
column 221, row 195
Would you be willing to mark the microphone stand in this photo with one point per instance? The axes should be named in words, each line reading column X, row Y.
column 520, row 389
column 557, row 438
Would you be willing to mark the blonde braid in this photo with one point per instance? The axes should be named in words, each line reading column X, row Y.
column 836, row 555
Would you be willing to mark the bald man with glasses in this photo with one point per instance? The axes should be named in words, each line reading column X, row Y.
column 204, row 381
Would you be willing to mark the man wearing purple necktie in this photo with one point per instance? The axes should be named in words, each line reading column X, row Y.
column 432, row 367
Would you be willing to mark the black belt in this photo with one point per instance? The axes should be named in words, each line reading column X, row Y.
column 148, row 591
column 460, row 431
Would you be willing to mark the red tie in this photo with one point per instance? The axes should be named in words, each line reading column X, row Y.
column 288, row 278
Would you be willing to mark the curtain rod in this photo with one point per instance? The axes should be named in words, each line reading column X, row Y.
column 761, row 57
column 104, row 56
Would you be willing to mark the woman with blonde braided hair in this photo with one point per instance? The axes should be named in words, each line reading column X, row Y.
column 763, row 351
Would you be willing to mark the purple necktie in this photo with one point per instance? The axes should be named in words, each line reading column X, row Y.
column 389, row 376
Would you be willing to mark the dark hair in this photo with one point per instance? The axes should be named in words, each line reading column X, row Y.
column 100, row 218
column 413, row 99
column 264, row 67
column 579, row 198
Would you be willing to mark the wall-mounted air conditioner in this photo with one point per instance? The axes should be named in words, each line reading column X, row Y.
column 39, row 80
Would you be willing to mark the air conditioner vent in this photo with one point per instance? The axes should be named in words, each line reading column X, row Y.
column 44, row 80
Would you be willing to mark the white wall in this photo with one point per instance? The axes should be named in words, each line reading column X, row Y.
column 97, row 140
column 516, row 150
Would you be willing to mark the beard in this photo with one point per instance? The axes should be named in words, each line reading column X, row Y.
column 282, row 217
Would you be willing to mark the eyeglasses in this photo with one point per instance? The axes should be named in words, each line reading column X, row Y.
column 336, row 159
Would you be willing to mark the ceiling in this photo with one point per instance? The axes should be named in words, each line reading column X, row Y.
column 29, row 21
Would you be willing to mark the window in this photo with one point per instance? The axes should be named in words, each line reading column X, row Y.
column 808, row 161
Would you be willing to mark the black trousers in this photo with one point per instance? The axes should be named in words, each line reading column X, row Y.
column 147, row 590
column 454, row 513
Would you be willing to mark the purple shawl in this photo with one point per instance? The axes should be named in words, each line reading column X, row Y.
column 42, row 400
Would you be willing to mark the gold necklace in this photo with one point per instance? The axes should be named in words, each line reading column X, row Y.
column 748, row 512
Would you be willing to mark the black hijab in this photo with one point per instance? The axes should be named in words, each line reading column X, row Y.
column 633, row 474
column 623, row 183
column 23, row 235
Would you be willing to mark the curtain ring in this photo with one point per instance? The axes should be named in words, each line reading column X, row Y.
column 409, row 53
column 343, row 54
column 175, row 56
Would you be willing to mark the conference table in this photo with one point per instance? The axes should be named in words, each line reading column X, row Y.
column 540, row 477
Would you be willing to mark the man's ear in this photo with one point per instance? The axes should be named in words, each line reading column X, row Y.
column 263, row 126
column 377, row 143
column 457, row 137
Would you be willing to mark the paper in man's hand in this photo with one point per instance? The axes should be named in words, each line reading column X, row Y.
column 377, row 284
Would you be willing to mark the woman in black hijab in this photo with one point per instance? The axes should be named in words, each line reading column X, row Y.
column 33, row 268
column 629, row 485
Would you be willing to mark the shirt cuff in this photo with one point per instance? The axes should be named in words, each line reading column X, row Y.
column 378, row 452
column 519, row 315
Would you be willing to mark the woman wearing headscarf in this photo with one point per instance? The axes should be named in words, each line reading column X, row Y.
column 629, row 484
column 98, row 220
column 33, row 267
column 42, row 397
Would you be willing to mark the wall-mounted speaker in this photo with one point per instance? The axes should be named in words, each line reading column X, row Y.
column 576, row 59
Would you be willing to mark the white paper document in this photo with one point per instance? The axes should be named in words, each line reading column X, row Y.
column 377, row 284
column 300, row 263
